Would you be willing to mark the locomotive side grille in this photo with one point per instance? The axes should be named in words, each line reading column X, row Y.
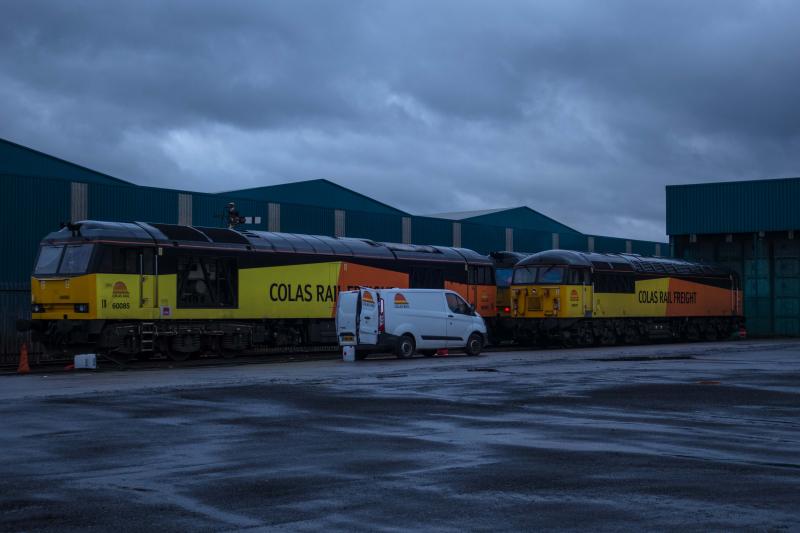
column 534, row 303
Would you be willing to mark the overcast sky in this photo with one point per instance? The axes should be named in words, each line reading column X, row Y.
column 581, row 110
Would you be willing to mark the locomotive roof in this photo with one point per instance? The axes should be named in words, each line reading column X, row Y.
column 508, row 259
column 622, row 263
column 203, row 237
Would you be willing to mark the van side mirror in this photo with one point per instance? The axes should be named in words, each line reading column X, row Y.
column 472, row 309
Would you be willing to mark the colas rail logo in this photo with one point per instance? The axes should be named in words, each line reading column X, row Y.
column 120, row 290
column 367, row 298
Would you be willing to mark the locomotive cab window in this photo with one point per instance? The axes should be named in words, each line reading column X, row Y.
column 578, row 276
column 207, row 282
column 480, row 275
column 504, row 277
column 525, row 275
column 76, row 259
column 551, row 274
column 49, row 257
column 119, row 260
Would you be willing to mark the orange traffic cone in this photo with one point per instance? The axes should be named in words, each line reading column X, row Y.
column 23, row 360
column 442, row 351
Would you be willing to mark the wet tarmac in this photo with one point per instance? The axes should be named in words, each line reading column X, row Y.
column 691, row 437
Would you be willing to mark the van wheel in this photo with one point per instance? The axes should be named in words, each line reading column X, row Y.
column 474, row 344
column 405, row 347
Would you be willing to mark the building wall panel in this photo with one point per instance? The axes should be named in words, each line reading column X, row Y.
column 297, row 218
column 209, row 210
column 129, row 204
column 482, row 239
column 427, row 230
column 30, row 208
column 526, row 240
column 375, row 226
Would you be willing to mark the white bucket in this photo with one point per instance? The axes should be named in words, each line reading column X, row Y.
column 86, row 360
column 349, row 353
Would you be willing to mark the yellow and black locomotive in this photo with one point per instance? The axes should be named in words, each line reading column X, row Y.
column 139, row 288
column 580, row 298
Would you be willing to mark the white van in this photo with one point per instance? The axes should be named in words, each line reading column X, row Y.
column 407, row 320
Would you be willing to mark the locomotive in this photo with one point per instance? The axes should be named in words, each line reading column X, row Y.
column 134, row 289
column 582, row 298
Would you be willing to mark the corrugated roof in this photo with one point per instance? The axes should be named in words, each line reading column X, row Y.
column 511, row 217
column 318, row 192
column 462, row 215
column 734, row 207
column 19, row 160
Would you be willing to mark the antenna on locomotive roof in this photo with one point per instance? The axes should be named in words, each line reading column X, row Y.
column 231, row 216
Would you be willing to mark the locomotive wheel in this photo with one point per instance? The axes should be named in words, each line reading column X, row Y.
column 217, row 348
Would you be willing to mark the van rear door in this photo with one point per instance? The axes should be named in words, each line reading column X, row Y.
column 346, row 316
column 367, row 316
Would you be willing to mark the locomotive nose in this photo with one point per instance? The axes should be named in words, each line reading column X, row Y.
column 57, row 298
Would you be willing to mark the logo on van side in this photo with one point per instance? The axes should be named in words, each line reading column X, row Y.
column 367, row 298
column 400, row 301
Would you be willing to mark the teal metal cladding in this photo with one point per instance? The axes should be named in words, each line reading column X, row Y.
column 209, row 210
column 375, row 226
column 29, row 209
column 126, row 204
column 318, row 193
column 609, row 245
column 15, row 304
column 428, row 230
column 733, row 207
column 296, row 218
column 573, row 241
column 523, row 218
column 23, row 161
column 482, row 239
column 532, row 241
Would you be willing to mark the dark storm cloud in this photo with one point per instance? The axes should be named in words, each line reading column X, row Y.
column 583, row 110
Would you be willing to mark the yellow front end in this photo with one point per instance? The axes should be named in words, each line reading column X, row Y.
column 551, row 301
column 64, row 298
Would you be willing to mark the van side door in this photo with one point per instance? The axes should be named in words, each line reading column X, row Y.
column 460, row 320
column 346, row 316
column 367, row 316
